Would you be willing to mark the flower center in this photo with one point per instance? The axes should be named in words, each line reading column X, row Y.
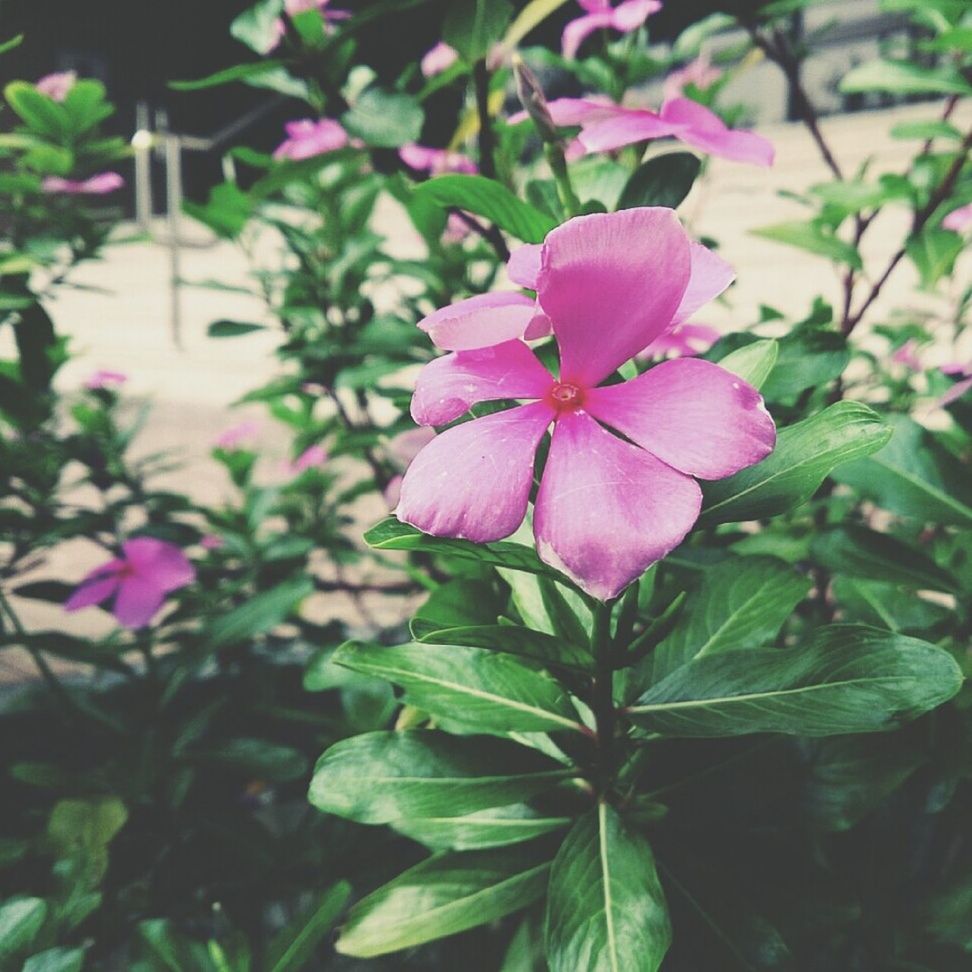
column 565, row 397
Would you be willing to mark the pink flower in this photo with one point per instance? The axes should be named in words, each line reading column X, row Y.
column 237, row 436
column 295, row 7
column 105, row 379
column 212, row 542
column 907, row 355
column 607, row 507
column 435, row 161
column 57, row 86
column 309, row 137
column 700, row 73
column 456, row 229
column 438, row 59
column 684, row 341
column 627, row 16
column 402, row 449
column 97, row 185
column 964, row 374
column 605, row 127
column 138, row 580
column 959, row 219
column 310, row 458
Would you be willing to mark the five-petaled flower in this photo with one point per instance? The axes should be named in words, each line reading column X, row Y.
column 138, row 581
column 627, row 16
column 97, row 185
column 617, row 491
column 308, row 137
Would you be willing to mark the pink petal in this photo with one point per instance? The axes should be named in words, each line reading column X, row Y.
column 437, row 161
column 479, row 322
column 959, row 219
column 102, row 378
column 577, row 31
column 629, row 15
column 97, row 586
column 102, row 184
column 625, row 128
column 57, row 86
column 448, row 386
column 704, row 130
column 606, row 509
column 437, row 59
column 710, row 276
column 162, row 564
column 310, row 458
column 473, row 481
column 308, row 137
column 405, row 446
column 691, row 414
column 683, row 339
column 137, row 602
column 611, row 283
column 523, row 267
column 955, row 392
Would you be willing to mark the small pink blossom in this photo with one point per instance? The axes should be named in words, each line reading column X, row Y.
column 700, row 73
column 606, row 127
column 295, row 7
column 456, row 229
column 57, row 86
column 310, row 458
column 627, row 16
column 438, row 59
column 607, row 508
column 105, row 379
column 685, row 341
column 964, row 385
column 97, row 185
column 309, row 137
column 237, row 436
column 212, row 542
column 436, row 161
column 138, row 581
column 959, row 220
column 907, row 355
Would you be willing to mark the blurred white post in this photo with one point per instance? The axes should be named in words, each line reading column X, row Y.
column 142, row 144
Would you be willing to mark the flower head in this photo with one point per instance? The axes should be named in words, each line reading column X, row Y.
column 138, row 581
column 959, row 220
column 103, row 379
column 627, row 16
column 605, row 127
column 57, row 86
column 435, row 161
column 309, row 137
column 237, row 436
column 97, row 185
column 438, row 59
column 700, row 73
column 607, row 507
column 310, row 458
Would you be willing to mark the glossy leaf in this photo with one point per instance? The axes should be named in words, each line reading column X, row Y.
column 260, row 613
column 20, row 921
column 606, row 910
column 473, row 26
column 805, row 454
column 495, row 827
column 848, row 679
column 753, row 362
column 383, row 776
column 487, row 691
column 664, row 180
column 441, row 896
column 814, row 239
column 385, row 119
column 296, row 942
column 546, row 649
column 904, row 78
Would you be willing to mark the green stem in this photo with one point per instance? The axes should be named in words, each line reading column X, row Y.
column 602, row 647
column 565, row 189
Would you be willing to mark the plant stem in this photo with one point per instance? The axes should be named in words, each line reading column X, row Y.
column 487, row 144
column 602, row 647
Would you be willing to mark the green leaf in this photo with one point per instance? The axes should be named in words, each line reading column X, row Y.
column 385, row 119
column 933, row 252
column 86, row 106
column 606, row 910
column 258, row 614
column 805, row 454
column 743, row 603
column 914, row 476
column 753, row 362
column 20, row 921
column 473, row 26
column 42, row 115
column 848, row 679
column 9, row 45
column 664, row 180
column 925, row 130
column 56, row 960
column 495, row 827
column 392, row 534
column 885, row 605
column 458, row 603
column 378, row 777
column 485, row 197
column 860, row 552
column 295, row 944
column 226, row 212
column 84, row 829
column 443, row 895
column 903, row 77
column 486, row 691
column 814, row 239
column 256, row 26
column 546, row 649
column 954, row 39
column 810, row 357
column 221, row 329
column 239, row 72
column 253, row 758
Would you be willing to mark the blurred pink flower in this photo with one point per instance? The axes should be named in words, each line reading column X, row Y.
column 105, row 379
column 310, row 458
column 607, row 508
column 309, row 137
column 700, row 73
column 907, row 355
column 456, row 229
column 959, row 219
column 57, row 86
column 605, row 127
column 438, row 59
column 402, row 449
column 295, row 7
column 212, row 542
column 627, row 16
column 435, row 161
column 685, row 341
column 961, row 371
column 138, row 580
column 237, row 436
column 97, row 185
